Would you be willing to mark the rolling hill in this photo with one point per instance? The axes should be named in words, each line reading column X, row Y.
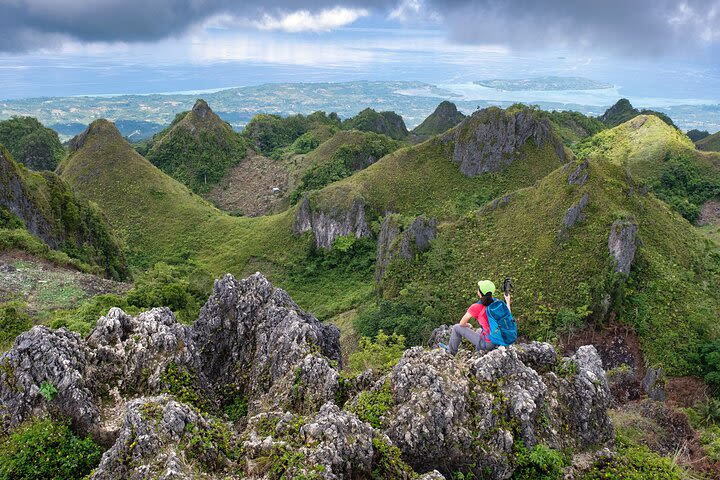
column 445, row 117
column 710, row 143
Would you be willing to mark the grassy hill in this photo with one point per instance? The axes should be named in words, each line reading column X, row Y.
column 40, row 214
column 711, row 143
column 271, row 134
column 445, row 117
column 386, row 123
column 670, row 296
column 30, row 143
column 197, row 149
column 663, row 158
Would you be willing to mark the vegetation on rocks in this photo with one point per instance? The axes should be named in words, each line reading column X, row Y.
column 270, row 133
column 30, row 143
column 386, row 123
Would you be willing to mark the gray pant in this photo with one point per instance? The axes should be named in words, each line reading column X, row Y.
column 457, row 333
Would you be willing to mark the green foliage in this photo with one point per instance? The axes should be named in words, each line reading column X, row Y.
column 633, row 462
column 445, row 117
column 237, row 408
column 711, row 143
column 344, row 162
column 173, row 287
column 623, row 111
column 379, row 354
column 387, row 123
column 685, row 185
column 30, row 143
column 9, row 220
column 181, row 383
column 387, row 462
column 197, row 151
column 83, row 318
column 538, row 463
column 43, row 449
column 710, row 440
column 48, row 391
column 572, row 127
column 397, row 317
column 696, row 135
column 372, row 405
column 21, row 239
column 705, row 414
column 204, row 444
column 710, row 366
column 70, row 224
column 14, row 320
column 272, row 132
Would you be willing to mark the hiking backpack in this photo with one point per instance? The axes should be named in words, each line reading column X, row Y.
column 503, row 328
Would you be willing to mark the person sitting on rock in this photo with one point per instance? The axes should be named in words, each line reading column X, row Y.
column 481, row 338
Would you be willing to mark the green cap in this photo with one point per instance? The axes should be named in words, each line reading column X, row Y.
column 486, row 286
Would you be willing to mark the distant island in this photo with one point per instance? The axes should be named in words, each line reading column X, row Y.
column 544, row 84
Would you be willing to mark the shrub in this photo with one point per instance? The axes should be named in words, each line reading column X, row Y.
column 14, row 320
column 372, row 405
column 401, row 318
column 539, row 463
column 379, row 354
column 710, row 364
column 83, row 318
column 635, row 463
column 46, row 449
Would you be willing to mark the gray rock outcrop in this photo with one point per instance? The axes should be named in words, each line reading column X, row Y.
column 622, row 244
column 573, row 215
column 327, row 226
column 447, row 411
column 579, row 176
column 489, row 139
column 394, row 241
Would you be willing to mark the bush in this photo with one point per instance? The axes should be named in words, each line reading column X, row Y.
column 83, row 318
column 635, row 463
column 405, row 319
column 14, row 320
column 540, row 463
column 372, row 405
column 710, row 364
column 379, row 354
column 44, row 449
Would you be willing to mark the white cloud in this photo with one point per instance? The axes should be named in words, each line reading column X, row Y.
column 305, row 21
column 414, row 10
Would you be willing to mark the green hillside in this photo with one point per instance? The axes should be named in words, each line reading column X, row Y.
column 445, row 117
column 663, row 158
column 386, row 123
column 41, row 215
column 623, row 111
column 30, row 143
column 198, row 149
column 670, row 297
column 269, row 134
column 695, row 135
column 711, row 143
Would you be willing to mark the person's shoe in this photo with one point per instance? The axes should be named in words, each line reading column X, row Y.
column 444, row 347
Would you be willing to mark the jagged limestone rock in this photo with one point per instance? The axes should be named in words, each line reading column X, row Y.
column 57, row 359
column 162, row 438
column 326, row 226
column 489, row 139
column 573, row 215
column 579, row 176
column 622, row 244
column 447, row 410
column 396, row 242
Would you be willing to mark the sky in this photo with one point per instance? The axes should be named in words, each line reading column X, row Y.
column 655, row 49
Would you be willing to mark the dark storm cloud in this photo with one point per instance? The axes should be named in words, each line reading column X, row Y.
column 630, row 26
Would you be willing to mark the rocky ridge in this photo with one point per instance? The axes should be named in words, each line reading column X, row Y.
column 252, row 342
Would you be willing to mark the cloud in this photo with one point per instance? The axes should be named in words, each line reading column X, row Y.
column 305, row 21
column 635, row 28
column 639, row 27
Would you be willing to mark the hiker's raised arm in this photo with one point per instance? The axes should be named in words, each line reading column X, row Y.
column 507, row 301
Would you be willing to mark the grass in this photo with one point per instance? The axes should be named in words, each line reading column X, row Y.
column 710, row 143
column 519, row 240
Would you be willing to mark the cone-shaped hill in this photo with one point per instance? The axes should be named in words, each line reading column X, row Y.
column 662, row 157
column 43, row 205
column 623, row 111
column 197, row 149
column 568, row 242
column 387, row 123
column 445, row 117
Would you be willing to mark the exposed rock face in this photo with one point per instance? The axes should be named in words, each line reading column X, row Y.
column 159, row 440
column 201, row 108
column 572, row 216
column 489, row 139
column 622, row 244
column 43, row 356
column 249, row 336
column 328, row 226
column 394, row 242
column 446, row 411
column 252, row 340
column 579, row 176
column 654, row 384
